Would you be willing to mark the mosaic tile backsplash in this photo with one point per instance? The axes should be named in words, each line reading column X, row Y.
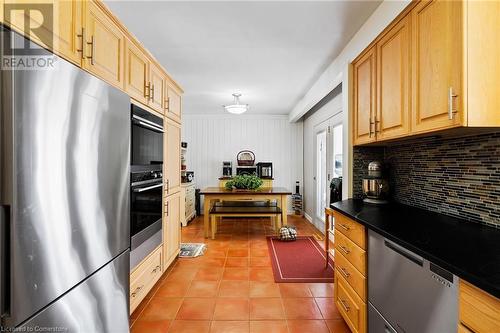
column 454, row 176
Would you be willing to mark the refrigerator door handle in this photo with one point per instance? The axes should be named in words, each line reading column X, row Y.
column 4, row 260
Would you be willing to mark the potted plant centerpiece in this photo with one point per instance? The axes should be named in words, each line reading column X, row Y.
column 244, row 182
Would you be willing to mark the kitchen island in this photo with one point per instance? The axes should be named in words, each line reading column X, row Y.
column 214, row 194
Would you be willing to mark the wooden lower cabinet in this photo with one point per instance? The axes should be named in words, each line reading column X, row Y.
column 144, row 277
column 350, row 272
column 350, row 305
column 172, row 227
column 479, row 311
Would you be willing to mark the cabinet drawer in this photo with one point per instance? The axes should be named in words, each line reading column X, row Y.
column 350, row 306
column 355, row 279
column 144, row 277
column 353, row 253
column 351, row 229
column 479, row 311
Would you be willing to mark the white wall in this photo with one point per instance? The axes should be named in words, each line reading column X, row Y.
column 326, row 111
column 338, row 72
column 215, row 138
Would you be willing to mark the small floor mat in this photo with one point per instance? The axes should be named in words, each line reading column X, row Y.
column 191, row 250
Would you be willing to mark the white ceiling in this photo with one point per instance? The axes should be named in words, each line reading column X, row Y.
column 271, row 52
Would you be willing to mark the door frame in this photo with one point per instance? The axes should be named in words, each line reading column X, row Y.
column 325, row 125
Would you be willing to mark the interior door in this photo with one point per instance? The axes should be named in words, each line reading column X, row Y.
column 321, row 173
column 436, row 65
column 328, row 163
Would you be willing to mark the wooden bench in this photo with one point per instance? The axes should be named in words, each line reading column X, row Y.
column 244, row 209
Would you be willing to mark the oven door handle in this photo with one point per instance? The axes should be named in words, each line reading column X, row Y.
column 142, row 189
column 154, row 128
column 146, row 123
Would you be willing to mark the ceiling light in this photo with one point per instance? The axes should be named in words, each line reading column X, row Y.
column 236, row 107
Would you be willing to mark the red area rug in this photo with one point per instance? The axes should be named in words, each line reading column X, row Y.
column 302, row 260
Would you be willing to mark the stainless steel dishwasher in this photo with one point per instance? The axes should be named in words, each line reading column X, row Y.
column 406, row 293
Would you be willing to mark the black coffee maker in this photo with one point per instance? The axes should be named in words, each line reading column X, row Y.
column 227, row 169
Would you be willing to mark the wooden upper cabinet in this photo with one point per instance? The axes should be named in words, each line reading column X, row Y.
column 56, row 25
column 483, row 63
column 172, row 156
column 69, row 31
column 173, row 103
column 157, row 82
column 136, row 73
column 105, row 46
column 364, row 97
column 437, row 65
column 393, row 82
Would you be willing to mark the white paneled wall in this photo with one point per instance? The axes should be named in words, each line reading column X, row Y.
column 215, row 138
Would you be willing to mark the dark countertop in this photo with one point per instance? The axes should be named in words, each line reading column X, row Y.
column 467, row 249
column 259, row 191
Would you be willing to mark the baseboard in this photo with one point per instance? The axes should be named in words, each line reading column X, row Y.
column 309, row 218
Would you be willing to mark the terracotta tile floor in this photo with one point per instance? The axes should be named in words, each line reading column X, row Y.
column 231, row 288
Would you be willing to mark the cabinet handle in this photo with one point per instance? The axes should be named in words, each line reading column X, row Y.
column 346, row 307
column 167, row 104
column 344, row 272
column 136, row 291
column 370, row 127
column 147, row 91
column 377, row 124
column 152, row 92
column 344, row 249
column 343, row 226
column 167, row 208
column 451, row 95
column 84, row 38
column 92, row 49
column 168, row 186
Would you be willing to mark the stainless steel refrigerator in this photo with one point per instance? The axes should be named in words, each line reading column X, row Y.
column 64, row 196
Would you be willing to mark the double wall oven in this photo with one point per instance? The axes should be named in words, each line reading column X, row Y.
column 146, row 184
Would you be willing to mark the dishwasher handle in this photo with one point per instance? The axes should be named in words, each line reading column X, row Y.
column 405, row 253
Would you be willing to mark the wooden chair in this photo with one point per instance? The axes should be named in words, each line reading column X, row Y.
column 328, row 221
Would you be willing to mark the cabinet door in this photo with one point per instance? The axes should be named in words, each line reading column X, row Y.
column 172, row 156
column 55, row 25
column 105, row 46
column 364, row 98
column 174, row 103
column 436, row 65
column 69, row 36
column 172, row 228
column 393, row 82
column 157, row 82
column 136, row 73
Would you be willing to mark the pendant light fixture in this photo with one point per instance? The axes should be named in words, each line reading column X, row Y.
column 236, row 107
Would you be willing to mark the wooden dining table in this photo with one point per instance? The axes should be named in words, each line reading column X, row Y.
column 215, row 194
